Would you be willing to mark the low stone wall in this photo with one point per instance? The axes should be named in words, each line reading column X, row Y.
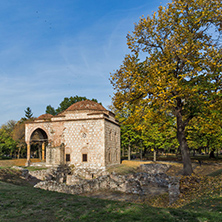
column 151, row 180
column 58, row 174
column 139, row 183
column 88, row 173
column 154, row 168
column 39, row 174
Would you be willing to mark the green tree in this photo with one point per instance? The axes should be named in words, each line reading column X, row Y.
column 7, row 144
column 28, row 113
column 50, row 110
column 67, row 102
column 205, row 134
column 181, row 72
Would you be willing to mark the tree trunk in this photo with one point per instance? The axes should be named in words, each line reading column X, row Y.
column 154, row 155
column 123, row 153
column 187, row 165
column 141, row 151
column 144, row 152
column 19, row 150
column 194, row 152
column 141, row 154
column 129, row 152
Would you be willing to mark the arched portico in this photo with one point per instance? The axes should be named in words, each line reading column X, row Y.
column 39, row 136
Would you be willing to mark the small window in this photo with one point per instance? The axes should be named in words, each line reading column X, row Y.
column 110, row 135
column 109, row 157
column 84, row 158
column 67, row 157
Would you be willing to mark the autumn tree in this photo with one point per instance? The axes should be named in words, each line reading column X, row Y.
column 67, row 102
column 175, row 65
column 18, row 135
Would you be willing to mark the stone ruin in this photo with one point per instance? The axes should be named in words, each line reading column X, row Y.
column 150, row 180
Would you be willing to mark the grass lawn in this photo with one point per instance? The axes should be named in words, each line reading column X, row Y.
column 22, row 203
column 201, row 200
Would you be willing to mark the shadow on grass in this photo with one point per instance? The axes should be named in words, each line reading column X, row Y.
column 20, row 203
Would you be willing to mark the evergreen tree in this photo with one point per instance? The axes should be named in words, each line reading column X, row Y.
column 28, row 113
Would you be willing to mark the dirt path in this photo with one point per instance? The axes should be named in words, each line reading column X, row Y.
column 16, row 162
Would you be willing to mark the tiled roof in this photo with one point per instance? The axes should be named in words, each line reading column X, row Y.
column 45, row 116
column 86, row 105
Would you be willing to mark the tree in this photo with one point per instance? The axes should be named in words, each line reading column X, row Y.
column 181, row 72
column 67, row 102
column 28, row 113
column 206, row 133
column 18, row 135
column 7, row 144
column 158, row 132
column 50, row 110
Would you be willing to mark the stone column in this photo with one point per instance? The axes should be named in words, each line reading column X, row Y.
column 43, row 151
column 28, row 154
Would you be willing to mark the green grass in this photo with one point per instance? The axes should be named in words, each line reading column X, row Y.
column 21, row 203
column 34, row 168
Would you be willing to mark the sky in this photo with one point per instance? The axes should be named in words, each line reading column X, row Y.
column 52, row 49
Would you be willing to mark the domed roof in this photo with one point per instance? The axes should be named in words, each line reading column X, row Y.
column 86, row 105
column 45, row 116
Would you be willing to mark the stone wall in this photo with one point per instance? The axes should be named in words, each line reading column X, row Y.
column 55, row 155
column 154, row 168
column 58, row 174
column 85, row 137
column 142, row 183
column 112, row 144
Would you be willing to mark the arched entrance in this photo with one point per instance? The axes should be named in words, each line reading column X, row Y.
column 38, row 138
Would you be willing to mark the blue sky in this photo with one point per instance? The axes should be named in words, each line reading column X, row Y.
column 51, row 49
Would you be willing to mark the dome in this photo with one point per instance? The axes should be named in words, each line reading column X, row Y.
column 86, row 105
column 45, row 117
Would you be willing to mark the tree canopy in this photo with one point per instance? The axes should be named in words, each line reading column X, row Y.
column 175, row 65
column 7, row 144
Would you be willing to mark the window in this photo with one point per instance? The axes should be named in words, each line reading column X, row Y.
column 110, row 135
column 67, row 157
column 84, row 158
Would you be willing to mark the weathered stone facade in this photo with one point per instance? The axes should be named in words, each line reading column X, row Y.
column 85, row 135
column 150, row 180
